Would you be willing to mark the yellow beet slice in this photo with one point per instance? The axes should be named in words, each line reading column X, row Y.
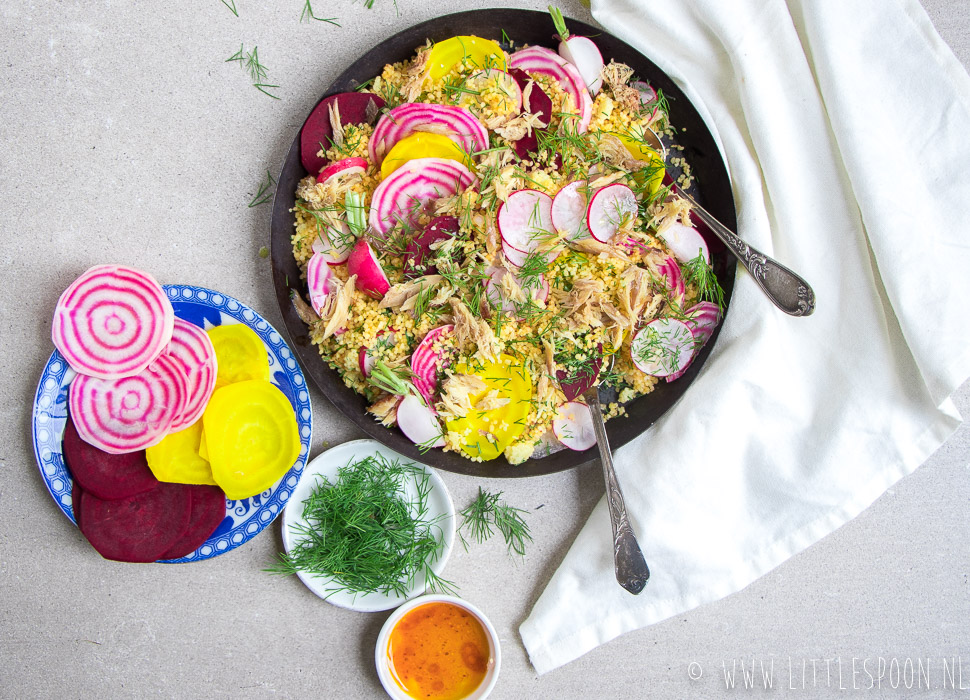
column 251, row 436
column 422, row 144
column 240, row 354
column 176, row 458
column 639, row 150
column 483, row 53
column 486, row 434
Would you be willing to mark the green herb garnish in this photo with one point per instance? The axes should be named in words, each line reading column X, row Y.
column 249, row 60
column 307, row 15
column 488, row 512
column 366, row 534
column 232, row 6
column 265, row 193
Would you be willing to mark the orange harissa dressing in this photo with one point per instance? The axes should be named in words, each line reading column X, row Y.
column 438, row 651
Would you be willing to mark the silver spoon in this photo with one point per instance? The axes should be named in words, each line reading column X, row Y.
column 786, row 289
column 629, row 565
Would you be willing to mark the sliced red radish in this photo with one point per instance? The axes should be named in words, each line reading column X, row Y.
column 535, row 100
column 543, row 61
column 662, row 347
column 583, row 53
column 515, row 257
column 673, row 278
column 455, row 122
column 702, row 319
column 138, row 528
column 569, row 210
column 107, row 476
column 419, row 423
column 131, row 413
column 648, row 96
column 366, row 357
column 192, row 350
column 685, row 242
column 573, row 425
column 525, row 220
column 427, row 361
column 334, row 245
column 406, row 193
column 321, row 280
column 347, row 166
column 493, row 290
column 363, row 262
column 418, row 252
column 317, row 131
column 610, row 208
column 112, row 321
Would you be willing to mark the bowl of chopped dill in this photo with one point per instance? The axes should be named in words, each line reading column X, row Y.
column 459, row 224
column 368, row 529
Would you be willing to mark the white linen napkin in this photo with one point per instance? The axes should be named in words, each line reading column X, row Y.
column 845, row 125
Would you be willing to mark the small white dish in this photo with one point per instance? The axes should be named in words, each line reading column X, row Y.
column 382, row 656
column 326, row 465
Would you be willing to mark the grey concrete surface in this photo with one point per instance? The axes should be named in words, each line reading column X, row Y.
column 126, row 137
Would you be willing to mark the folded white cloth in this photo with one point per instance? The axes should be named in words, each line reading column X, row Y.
column 845, row 125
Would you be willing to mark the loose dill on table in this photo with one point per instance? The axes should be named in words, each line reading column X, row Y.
column 487, row 513
column 365, row 534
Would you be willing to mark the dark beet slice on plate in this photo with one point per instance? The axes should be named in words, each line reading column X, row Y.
column 105, row 475
column 208, row 510
column 419, row 253
column 139, row 528
column 354, row 109
column 575, row 385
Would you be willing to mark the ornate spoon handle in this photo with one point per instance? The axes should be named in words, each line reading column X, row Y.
column 628, row 562
column 787, row 290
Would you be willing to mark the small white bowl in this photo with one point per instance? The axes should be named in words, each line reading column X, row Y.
column 383, row 661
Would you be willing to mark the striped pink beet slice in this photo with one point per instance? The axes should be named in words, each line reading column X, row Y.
column 193, row 353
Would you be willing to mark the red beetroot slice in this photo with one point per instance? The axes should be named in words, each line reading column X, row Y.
column 139, row 528
column 208, row 510
column 419, row 248
column 317, row 129
column 575, row 384
column 76, row 493
column 107, row 476
column 539, row 102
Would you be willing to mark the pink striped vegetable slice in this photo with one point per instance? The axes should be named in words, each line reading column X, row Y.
column 130, row 413
column 673, row 278
column 405, row 193
column 321, row 281
column 427, row 361
column 538, row 59
column 193, row 353
column 112, row 321
column 455, row 122
column 702, row 319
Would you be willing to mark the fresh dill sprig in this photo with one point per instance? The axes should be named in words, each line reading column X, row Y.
column 366, row 534
column 307, row 15
column 232, row 6
column 249, row 60
column 265, row 193
column 698, row 271
column 487, row 513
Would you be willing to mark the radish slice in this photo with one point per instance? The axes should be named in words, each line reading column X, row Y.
column 662, row 347
column 569, row 210
column 702, row 319
column 685, row 242
column 610, row 208
column 538, row 102
column 493, row 290
column 347, row 166
column 112, row 322
column 334, row 245
column 130, row 413
column 404, row 194
column 321, row 281
column 455, row 122
column 573, row 425
column 363, row 262
column 366, row 357
column 525, row 220
column 193, row 353
column 428, row 360
column 317, row 131
column 419, row 423
column 538, row 59
column 673, row 278
column 515, row 257
column 582, row 53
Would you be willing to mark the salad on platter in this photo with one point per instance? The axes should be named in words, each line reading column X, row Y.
column 486, row 233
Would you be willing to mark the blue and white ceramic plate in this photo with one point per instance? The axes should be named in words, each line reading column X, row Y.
column 205, row 308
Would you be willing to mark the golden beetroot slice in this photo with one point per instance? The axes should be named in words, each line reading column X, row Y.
column 208, row 510
column 106, row 476
column 317, row 133
column 139, row 528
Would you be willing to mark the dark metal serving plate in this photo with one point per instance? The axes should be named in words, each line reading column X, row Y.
column 523, row 27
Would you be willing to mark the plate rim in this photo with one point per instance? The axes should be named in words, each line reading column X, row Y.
column 381, row 601
column 176, row 293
